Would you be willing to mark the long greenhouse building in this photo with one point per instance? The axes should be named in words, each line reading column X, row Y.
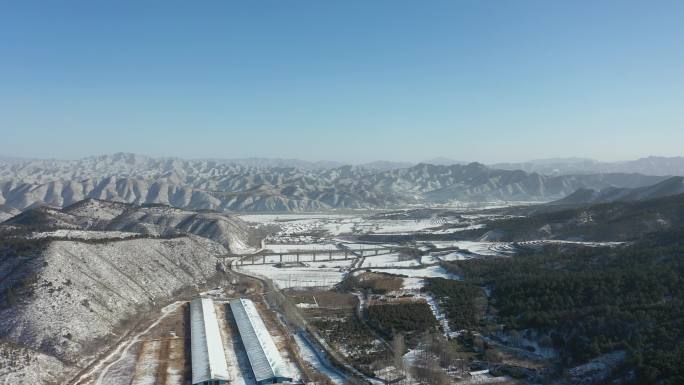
column 264, row 358
column 208, row 357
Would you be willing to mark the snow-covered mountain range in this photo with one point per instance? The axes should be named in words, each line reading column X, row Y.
column 260, row 185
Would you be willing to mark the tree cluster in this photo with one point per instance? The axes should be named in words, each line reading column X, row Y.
column 408, row 318
column 458, row 300
column 597, row 300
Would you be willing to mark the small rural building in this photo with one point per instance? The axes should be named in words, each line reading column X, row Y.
column 209, row 365
column 264, row 358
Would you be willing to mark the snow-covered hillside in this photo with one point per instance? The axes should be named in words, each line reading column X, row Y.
column 72, row 279
column 72, row 297
column 157, row 220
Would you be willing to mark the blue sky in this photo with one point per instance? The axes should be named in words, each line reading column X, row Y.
column 353, row 81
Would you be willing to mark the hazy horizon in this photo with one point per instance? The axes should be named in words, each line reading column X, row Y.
column 352, row 81
column 436, row 159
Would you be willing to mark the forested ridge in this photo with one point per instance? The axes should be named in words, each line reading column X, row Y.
column 615, row 221
column 597, row 300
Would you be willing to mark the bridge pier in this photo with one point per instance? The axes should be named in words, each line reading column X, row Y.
column 253, row 259
column 297, row 257
column 263, row 259
column 281, row 257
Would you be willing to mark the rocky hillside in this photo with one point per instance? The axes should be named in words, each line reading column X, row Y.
column 266, row 186
column 65, row 301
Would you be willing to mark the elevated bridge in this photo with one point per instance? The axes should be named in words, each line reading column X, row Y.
column 342, row 253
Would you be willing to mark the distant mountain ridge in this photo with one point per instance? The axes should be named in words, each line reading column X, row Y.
column 653, row 165
column 259, row 186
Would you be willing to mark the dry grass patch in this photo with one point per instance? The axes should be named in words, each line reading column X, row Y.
column 375, row 282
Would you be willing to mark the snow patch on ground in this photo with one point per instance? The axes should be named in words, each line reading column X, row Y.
column 452, row 230
column 427, row 272
column 317, row 360
column 439, row 316
column 455, row 256
column 599, row 368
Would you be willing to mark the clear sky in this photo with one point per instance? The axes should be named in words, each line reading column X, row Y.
column 354, row 81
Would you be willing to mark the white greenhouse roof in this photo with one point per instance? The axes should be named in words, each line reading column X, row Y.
column 262, row 352
column 208, row 356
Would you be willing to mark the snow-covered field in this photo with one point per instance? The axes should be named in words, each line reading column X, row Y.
column 293, row 224
column 396, row 260
column 388, row 260
column 385, row 226
column 315, row 274
column 343, row 224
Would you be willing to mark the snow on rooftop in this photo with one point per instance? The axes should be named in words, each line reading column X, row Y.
column 263, row 355
column 208, row 356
